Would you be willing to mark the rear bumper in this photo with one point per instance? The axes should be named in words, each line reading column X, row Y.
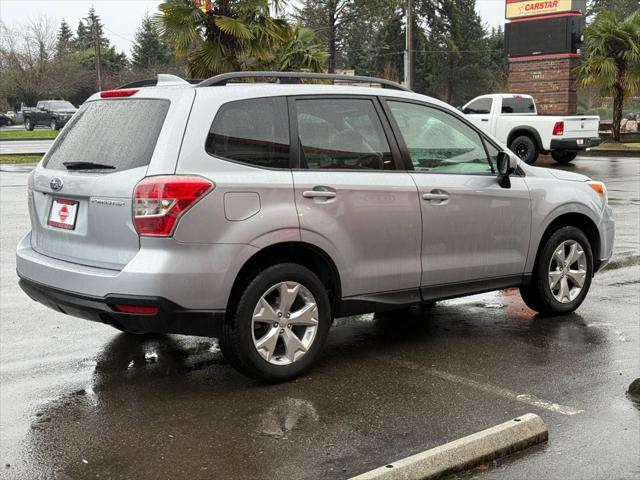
column 572, row 143
column 170, row 318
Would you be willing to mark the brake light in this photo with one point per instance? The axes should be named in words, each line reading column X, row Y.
column 125, row 92
column 140, row 310
column 159, row 202
column 558, row 128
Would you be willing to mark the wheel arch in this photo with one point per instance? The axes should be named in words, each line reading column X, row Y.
column 527, row 131
column 580, row 221
column 312, row 257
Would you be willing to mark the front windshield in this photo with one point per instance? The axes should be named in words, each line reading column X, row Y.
column 61, row 105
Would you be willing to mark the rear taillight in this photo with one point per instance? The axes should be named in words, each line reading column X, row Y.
column 159, row 202
column 558, row 128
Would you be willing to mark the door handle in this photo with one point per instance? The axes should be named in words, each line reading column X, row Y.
column 435, row 196
column 318, row 194
column 484, row 119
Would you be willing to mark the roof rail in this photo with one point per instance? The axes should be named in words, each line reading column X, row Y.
column 294, row 77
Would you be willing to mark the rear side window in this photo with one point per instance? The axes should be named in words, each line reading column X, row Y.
column 119, row 133
column 254, row 131
column 518, row 105
column 480, row 106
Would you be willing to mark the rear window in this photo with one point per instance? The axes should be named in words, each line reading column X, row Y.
column 518, row 105
column 119, row 133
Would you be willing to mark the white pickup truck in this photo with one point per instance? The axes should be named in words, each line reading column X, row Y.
column 514, row 120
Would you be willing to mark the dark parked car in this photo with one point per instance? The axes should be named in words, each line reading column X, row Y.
column 5, row 120
column 53, row 113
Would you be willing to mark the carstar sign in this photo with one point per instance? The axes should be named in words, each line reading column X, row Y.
column 530, row 8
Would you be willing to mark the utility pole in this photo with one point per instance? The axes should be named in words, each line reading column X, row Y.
column 96, row 35
column 408, row 51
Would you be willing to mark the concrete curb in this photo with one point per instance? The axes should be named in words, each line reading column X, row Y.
column 466, row 452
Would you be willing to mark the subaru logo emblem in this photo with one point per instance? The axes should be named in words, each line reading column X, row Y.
column 56, row 184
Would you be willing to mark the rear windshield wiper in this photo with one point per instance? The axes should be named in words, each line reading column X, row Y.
column 86, row 166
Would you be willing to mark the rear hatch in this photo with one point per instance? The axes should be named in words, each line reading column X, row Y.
column 82, row 192
column 581, row 127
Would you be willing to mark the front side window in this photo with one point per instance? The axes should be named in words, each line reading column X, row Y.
column 438, row 142
column 342, row 134
column 254, row 131
column 480, row 106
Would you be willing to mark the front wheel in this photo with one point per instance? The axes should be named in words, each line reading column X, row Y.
column 54, row 124
column 525, row 148
column 562, row 274
column 279, row 324
column 563, row 156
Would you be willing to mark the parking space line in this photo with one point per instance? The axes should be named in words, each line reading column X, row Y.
column 503, row 392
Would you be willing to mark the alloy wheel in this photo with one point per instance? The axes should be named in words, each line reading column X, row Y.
column 567, row 271
column 284, row 323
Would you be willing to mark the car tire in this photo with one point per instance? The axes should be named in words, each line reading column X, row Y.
column 256, row 319
column 525, row 148
column 28, row 125
column 554, row 288
column 564, row 156
column 54, row 124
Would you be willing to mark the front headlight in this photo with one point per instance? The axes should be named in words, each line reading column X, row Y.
column 600, row 188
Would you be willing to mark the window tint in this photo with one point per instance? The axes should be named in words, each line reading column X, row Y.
column 254, row 131
column 342, row 134
column 518, row 105
column 120, row 133
column 439, row 142
column 482, row 105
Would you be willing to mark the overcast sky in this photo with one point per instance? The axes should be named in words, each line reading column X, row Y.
column 121, row 18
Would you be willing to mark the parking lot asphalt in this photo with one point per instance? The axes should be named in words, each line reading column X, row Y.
column 80, row 400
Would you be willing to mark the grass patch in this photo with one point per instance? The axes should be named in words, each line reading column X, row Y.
column 618, row 146
column 20, row 158
column 27, row 135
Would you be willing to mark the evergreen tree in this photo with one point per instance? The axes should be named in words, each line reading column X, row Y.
column 499, row 64
column 327, row 18
column 64, row 40
column 149, row 49
column 620, row 8
column 85, row 35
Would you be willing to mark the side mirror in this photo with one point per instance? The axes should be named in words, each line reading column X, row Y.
column 506, row 166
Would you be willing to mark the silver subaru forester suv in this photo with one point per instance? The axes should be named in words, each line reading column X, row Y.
column 259, row 211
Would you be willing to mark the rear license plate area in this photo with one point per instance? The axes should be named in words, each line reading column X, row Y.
column 63, row 214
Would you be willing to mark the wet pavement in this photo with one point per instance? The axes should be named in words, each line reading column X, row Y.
column 23, row 147
column 80, row 400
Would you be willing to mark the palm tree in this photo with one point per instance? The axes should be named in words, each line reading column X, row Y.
column 612, row 51
column 234, row 35
column 299, row 51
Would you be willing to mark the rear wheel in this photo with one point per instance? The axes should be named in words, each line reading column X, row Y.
column 562, row 274
column 279, row 324
column 28, row 124
column 525, row 148
column 563, row 156
column 54, row 124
